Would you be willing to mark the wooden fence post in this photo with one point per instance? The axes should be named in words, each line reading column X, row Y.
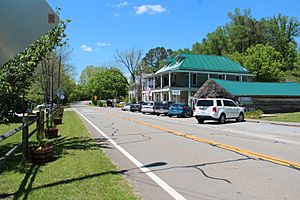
column 47, row 118
column 25, row 139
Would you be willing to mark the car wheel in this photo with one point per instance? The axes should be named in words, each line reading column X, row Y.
column 157, row 114
column 222, row 118
column 143, row 112
column 241, row 117
column 170, row 115
column 200, row 121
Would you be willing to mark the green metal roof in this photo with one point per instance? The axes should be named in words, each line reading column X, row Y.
column 260, row 88
column 206, row 63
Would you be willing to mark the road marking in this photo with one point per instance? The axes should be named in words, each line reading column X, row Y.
column 226, row 129
column 142, row 167
column 220, row 145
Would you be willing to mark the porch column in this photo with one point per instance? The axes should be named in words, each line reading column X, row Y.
column 170, row 95
column 208, row 76
column 241, row 79
column 225, row 77
column 189, row 96
column 189, row 79
column 161, row 81
column 169, row 79
column 161, row 96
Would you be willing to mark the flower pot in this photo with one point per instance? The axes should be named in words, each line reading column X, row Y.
column 42, row 154
column 51, row 133
column 57, row 121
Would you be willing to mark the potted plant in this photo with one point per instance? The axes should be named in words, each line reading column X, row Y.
column 43, row 151
column 52, row 131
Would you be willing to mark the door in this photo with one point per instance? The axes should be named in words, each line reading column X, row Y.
column 231, row 109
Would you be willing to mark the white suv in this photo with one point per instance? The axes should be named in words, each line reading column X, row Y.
column 218, row 109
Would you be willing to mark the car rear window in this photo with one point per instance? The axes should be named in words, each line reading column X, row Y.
column 148, row 103
column 158, row 103
column 205, row 103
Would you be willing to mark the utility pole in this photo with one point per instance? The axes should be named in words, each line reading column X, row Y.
column 58, row 82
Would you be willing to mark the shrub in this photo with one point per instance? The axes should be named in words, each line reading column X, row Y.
column 254, row 114
column 100, row 104
column 119, row 105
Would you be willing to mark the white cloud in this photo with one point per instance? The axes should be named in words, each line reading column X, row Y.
column 149, row 9
column 116, row 14
column 121, row 4
column 103, row 44
column 118, row 5
column 86, row 48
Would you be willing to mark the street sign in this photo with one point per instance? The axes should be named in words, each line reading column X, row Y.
column 62, row 97
column 59, row 92
column 176, row 92
column 22, row 23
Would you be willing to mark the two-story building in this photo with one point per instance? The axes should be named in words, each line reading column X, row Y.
column 183, row 75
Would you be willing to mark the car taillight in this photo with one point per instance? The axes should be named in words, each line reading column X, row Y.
column 182, row 108
column 214, row 109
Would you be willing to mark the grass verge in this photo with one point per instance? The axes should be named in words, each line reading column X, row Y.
column 80, row 170
column 284, row 117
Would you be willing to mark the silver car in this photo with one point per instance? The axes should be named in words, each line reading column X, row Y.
column 148, row 107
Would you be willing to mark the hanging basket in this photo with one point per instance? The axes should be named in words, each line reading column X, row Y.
column 40, row 155
column 51, row 133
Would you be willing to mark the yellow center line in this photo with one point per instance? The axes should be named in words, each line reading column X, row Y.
column 220, row 145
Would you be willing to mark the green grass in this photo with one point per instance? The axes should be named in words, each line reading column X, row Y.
column 284, row 117
column 80, row 170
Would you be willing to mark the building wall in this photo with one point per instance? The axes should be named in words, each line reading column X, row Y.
column 276, row 104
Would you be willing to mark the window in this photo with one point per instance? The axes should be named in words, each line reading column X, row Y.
column 194, row 79
column 205, row 103
column 229, row 103
column 237, row 78
column 219, row 103
column 221, row 76
column 165, row 97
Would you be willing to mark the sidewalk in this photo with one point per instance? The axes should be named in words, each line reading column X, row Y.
column 294, row 124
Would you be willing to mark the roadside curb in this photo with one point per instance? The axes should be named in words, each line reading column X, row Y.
column 293, row 124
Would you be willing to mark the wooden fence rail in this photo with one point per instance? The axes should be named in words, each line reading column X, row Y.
column 40, row 122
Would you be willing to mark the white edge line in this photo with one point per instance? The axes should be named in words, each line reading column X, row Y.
column 151, row 175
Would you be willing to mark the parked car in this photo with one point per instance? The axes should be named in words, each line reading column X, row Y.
column 135, row 107
column 218, row 109
column 180, row 109
column 126, row 107
column 148, row 107
column 162, row 107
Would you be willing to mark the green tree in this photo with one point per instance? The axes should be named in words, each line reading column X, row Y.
column 215, row 43
column 87, row 73
column 16, row 76
column 264, row 62
column 154, row 59
column 243, row 31
column 280, row 33
column 108, row 84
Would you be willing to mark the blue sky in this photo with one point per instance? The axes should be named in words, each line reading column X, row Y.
column 101, row 27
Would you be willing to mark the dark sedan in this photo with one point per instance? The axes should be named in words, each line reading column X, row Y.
column 135, row 107
column 162, row 107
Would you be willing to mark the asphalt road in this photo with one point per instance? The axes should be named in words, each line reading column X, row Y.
column 176, row 158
